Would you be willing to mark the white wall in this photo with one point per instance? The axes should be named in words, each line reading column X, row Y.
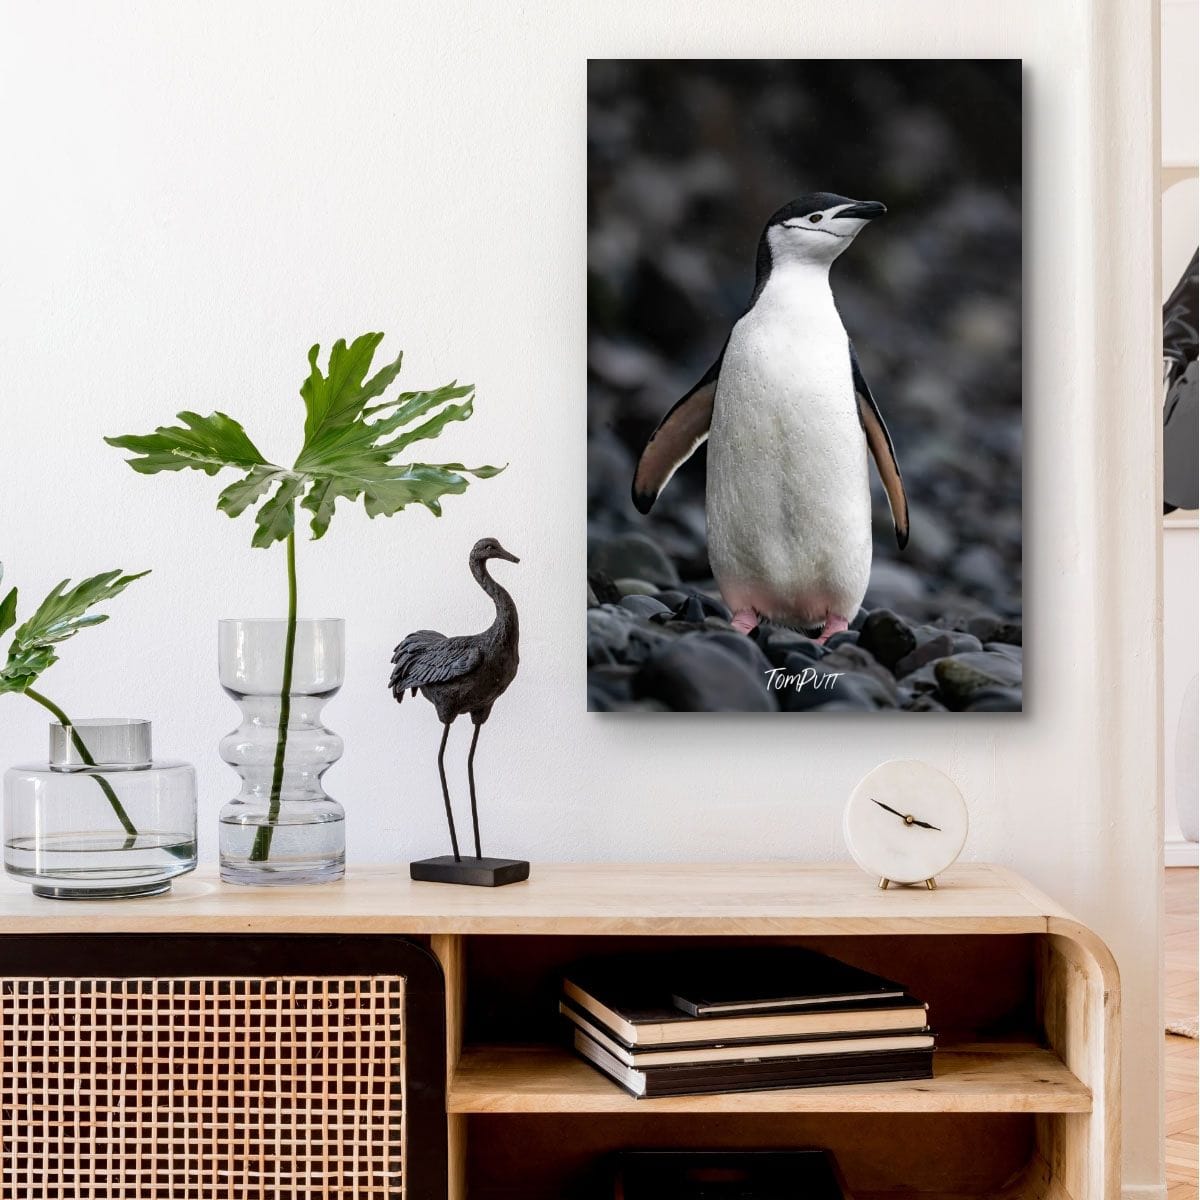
column 197, row 191
column 1181, row 115
column 1180, row 138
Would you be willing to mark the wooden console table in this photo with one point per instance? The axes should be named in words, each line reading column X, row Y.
column 1023, row 1104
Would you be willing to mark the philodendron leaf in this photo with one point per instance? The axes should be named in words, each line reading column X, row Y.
column 61, row 615
column 277, row 518
column 242, row 493
column 347, row 454
column 206, row 444
column 8, row 608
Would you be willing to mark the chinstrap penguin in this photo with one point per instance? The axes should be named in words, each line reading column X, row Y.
column 788, row 418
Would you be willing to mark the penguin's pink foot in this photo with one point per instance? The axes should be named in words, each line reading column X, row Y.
column 833, row 624
column 745, row 620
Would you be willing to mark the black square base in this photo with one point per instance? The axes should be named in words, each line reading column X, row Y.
column 477, row 872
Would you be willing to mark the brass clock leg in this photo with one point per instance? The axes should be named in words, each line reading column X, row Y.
column 883, row 884
column 931, row 884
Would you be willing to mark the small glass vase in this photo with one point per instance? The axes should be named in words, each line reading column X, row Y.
column 120, row 825
column 283, row 827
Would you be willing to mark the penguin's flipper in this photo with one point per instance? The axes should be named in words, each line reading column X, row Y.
column 880, row 443
column 679, row 435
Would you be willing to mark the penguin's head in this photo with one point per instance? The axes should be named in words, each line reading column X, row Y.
column 816, row 228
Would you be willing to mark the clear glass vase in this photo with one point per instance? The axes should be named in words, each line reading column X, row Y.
column 119, row 825
column 283, row 827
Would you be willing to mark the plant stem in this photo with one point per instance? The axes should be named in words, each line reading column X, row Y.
column 86, row 755
column 262, row 839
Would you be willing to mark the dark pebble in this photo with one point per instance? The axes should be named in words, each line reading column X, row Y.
column 1016, row 653
column 607, row 634
column 847, row 693
column 848, row 637
column 777, row 643
column 1008, row 632
column 996, row 700
column 942, row 646
column 862, row 668
column 603, row 587
column 713, row 607
column 926, row 633
column 982, row 626
column 634, row 556
column 809, row 649
column 643, row 606
column 636, row 587
column 646, row 640
column 887, row 637
column 959, row 678
column 745, row 648
column 691, row 610
column 922, row 680
column 610, row 688
column 671, row 597
column 694, row 675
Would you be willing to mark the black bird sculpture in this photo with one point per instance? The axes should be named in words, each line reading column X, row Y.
column 464, row 675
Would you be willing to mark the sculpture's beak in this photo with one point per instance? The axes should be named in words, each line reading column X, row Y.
column 502, row 553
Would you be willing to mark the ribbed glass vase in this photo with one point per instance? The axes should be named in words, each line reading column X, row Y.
column 282, row 828
column 102, row 822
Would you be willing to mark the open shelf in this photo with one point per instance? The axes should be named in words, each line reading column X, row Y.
column 978, row 1079
column 1025, row 1000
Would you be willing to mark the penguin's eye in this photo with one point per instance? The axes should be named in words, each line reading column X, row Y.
column 815, row 218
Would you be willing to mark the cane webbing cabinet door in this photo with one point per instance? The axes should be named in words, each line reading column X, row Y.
column 221, row 1068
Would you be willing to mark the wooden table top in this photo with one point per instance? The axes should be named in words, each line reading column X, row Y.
column 741, row 899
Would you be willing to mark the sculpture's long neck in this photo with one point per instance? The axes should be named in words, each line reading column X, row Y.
column 505, row 623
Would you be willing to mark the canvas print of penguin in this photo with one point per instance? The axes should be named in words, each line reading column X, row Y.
column 799, row 597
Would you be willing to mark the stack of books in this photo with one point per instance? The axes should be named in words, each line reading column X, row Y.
column 735, row 1020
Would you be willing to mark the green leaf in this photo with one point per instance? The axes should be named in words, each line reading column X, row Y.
column 431, row 428
column 336, row 400
column 408, row 406
column 347, row 453
column 61, row 615
column 242, row 493
column 323, row 496
column 8, row 610
column 206, row 444
column 277, row 518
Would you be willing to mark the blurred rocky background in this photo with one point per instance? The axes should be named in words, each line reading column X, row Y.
column 687, row 160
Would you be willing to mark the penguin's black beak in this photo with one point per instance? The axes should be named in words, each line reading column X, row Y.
column 864, row 210
column 500, row 552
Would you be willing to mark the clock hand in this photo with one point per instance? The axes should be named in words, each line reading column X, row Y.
column 905, row 817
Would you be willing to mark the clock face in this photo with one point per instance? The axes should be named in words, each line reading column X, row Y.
column 906, row 822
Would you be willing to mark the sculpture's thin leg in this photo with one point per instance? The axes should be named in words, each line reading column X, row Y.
column 446, row 791
column 471, row 781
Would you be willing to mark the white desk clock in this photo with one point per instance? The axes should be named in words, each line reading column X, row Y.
column 905, row 822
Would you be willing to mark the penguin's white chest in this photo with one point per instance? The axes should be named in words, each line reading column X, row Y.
column 789, row 504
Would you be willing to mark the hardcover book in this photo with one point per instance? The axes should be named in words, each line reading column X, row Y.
column 820, row 1070
column 633, row 998
column 743, row 1049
